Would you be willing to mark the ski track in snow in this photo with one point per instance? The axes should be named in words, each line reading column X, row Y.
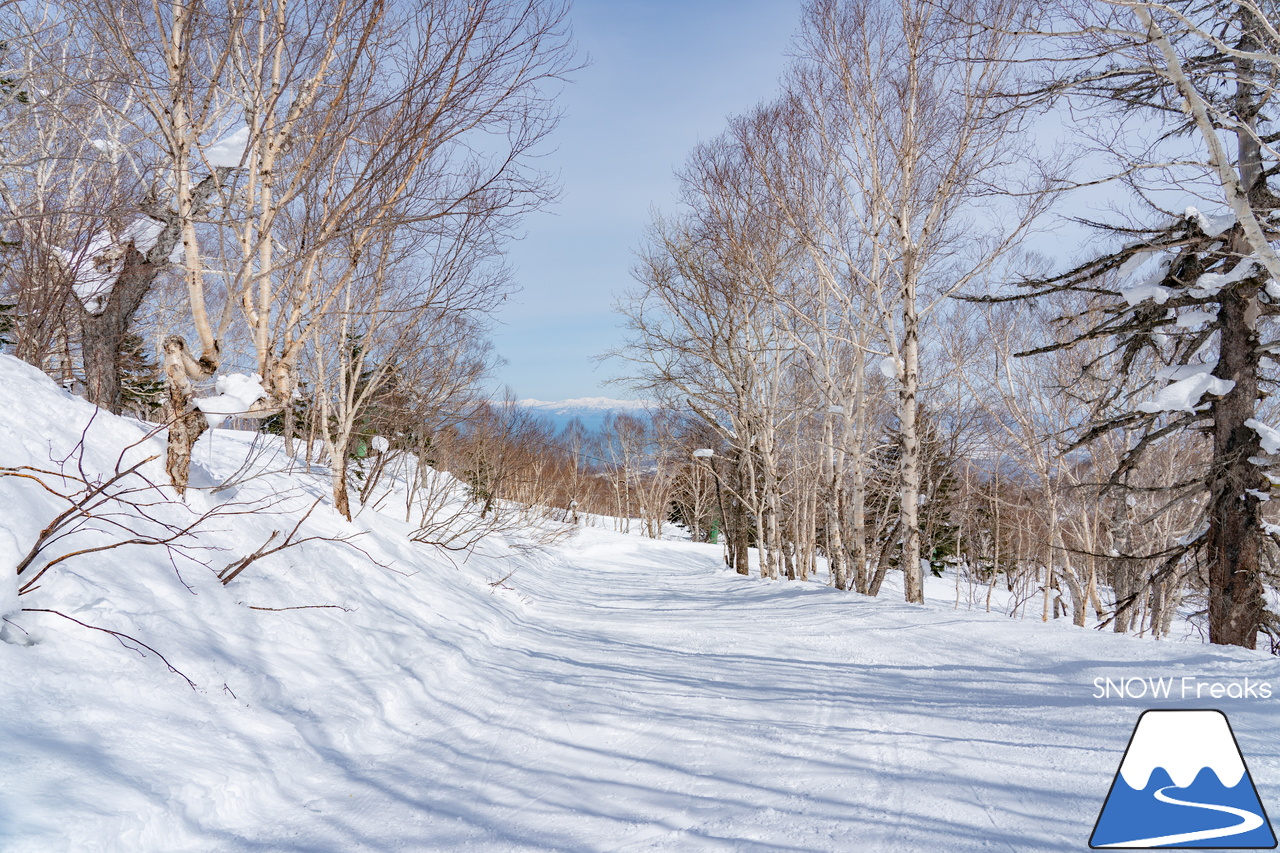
column 626, row 695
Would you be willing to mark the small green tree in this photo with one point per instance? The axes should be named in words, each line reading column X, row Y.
column 6, row 324
column 141, row 383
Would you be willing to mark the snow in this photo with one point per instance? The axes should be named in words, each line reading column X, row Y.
column 615, row 693
column 1195, row 319
column 890, row 367
column 1183, row 743
column 93, row 271
column 703, row 453
column 143, row 233
column 1135, row 261
column 590, row 412
column 1184, row 395
column 1212, row 226
column 1142, row 292
column 236, row 395
column 1270, row 435
column 1211, row 284
column 11, row 554
column 1185, row 371
column 228, row 152
column 107, row 146
column 586, row 405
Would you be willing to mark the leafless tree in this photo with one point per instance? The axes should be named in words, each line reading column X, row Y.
column 709, row 332
column 909, row 122
column 392, row 144
column 325, row 127
column 399, row 326
column 1201, row 313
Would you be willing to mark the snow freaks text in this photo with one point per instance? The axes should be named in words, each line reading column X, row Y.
column 1180, row 687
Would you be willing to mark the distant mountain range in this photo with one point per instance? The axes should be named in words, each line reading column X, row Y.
column 592, row 411
column 586, row 406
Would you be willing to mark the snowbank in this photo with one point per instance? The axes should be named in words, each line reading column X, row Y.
column 10, row 554
column 109, row 750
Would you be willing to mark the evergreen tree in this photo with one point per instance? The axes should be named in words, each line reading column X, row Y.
column 141, row 383
column 938, row 489
column 6, row 324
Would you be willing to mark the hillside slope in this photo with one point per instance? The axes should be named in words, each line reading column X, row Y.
column 615, row 694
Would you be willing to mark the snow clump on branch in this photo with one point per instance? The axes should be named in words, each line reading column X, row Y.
column 236, row 395
column 1185, row 393
column 1270, row 435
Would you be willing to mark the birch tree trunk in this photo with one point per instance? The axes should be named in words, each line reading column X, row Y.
column 909, row 462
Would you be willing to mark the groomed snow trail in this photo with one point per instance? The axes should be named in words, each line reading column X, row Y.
column 625, row 695
column 644, row 699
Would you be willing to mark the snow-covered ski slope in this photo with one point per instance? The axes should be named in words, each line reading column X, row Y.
column 622, row 695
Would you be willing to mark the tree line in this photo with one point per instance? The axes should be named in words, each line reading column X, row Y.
column 315, row 194
column 846, row 300
column 860, row 365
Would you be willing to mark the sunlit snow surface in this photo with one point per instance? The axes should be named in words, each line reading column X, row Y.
column 621, row 695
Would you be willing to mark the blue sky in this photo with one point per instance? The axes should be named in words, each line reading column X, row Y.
column 663, row 75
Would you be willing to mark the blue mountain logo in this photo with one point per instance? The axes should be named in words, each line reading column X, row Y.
column 1183, row 783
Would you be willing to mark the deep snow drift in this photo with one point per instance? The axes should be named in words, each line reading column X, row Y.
column 621, row 695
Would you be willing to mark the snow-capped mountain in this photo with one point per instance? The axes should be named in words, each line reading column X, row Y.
column 581, row 406
column 592, row 411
